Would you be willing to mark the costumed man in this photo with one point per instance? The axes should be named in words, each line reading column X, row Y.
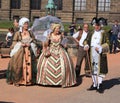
column 80, row 36
column 97, row 43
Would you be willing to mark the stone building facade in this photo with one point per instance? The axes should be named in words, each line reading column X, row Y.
column 72, row 10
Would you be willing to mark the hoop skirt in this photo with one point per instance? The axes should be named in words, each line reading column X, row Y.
column 57, row 68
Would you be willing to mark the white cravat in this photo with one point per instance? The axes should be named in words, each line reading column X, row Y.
column 96, row 38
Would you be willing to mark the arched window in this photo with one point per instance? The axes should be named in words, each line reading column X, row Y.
column 35, row 4
column 58, row 3
column 15, row 4
column 80, row 5
column 104, row 5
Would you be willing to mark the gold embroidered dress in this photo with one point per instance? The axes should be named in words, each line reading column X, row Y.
column 22, row 65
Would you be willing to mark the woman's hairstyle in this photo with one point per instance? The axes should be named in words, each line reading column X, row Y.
column 55, row 25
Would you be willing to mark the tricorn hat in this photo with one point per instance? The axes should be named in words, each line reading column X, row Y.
column 99, row 21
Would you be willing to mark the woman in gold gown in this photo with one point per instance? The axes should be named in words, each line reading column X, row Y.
column 22, row 65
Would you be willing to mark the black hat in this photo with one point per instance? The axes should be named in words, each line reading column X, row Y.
column 94, row 21
column 99, row 21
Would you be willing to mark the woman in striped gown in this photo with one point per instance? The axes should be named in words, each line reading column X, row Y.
column 54, row 65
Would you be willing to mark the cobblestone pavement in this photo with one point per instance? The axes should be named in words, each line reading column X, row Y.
column 77, row 94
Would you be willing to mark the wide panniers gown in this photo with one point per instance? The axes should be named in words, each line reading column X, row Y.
column 56, row 69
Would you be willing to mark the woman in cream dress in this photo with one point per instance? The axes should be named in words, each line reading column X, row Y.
column 54, row 65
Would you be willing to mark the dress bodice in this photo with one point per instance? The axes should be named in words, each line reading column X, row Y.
column 55, row 46
column 26, row 40
column 54, row 42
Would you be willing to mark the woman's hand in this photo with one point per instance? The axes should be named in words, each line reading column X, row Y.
column 23, row 44
column 28, row 45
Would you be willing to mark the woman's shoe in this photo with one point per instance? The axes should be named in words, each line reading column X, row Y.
column 10, row 83
column 17, row 85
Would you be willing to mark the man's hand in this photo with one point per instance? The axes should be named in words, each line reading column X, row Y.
column 97, row 49
column 86, row 47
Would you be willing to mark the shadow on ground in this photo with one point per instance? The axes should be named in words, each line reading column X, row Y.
column 6, row 102
column 111, row 83
column 5, row 56
column 2, row 74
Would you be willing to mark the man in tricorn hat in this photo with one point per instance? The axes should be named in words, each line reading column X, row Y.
column 97, row 45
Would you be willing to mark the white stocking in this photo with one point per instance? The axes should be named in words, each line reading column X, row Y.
column 100, row 79
column 94, row 79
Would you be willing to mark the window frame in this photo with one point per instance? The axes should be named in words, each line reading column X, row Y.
column 35, row 5
column 59, row 4
column 15, row 5
column 104, row 5
column 80, row 5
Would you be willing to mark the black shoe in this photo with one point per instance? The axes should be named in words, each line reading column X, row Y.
column 100, row 90
column 92, row 88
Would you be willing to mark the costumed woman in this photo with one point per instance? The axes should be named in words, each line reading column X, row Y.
column 54, row 65
column 22, row 65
